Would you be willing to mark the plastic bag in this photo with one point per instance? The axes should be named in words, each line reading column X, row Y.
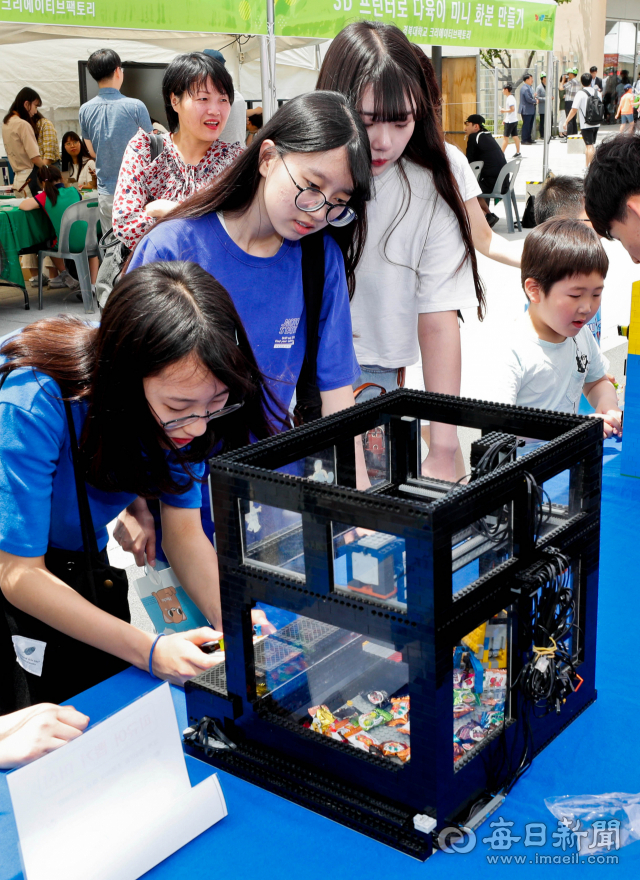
column 611, row 820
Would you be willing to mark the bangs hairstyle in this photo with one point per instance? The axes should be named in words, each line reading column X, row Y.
column 155, row 316
column 612, row 177
column 561, row 196
column 312, row 123
column 379, row 55
column 559, row 249
column 83, row 156
column 189, row 73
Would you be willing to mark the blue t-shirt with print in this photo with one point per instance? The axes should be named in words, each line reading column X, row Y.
column 38, row 501
column 267, row 292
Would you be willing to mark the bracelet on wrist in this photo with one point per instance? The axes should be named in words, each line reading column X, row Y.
column 153, row 646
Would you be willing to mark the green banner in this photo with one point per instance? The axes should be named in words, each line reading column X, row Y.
column 212, row 16
column 523, row 25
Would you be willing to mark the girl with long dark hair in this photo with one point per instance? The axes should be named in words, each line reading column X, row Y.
column 20, row 138
column 77, row 162
column 168, row 374
column 419, row 265
column 307, row 172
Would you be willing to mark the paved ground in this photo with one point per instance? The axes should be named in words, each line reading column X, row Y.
column 505, row 302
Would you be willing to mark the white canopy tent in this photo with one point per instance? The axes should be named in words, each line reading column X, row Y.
column 49, row 63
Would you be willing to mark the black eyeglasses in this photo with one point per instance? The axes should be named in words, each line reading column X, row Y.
column 310, row 199
column 174, row 424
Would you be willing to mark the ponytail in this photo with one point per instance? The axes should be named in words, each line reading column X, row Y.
column 49, row 176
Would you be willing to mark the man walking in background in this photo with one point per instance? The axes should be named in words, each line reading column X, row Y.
column 108, row 122
column 510, row 118
column 588, row 124
column 527, row 109
column 569, row 85
column 596, row 82
column 541, row 96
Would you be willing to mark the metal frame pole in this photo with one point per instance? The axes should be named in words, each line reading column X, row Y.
column 268, row 66
column 548, row 109
column 496, row 102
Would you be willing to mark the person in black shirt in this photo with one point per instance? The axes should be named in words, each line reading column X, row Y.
column 483, row 147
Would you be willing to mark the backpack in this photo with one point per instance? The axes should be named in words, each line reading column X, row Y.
column 594, row 111
column 114, row 252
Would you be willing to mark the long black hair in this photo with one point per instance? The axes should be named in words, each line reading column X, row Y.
column 84, row 155
column 24, row 95
column 188, row 73
column 379, row 55
column 50, row 176
column 312, row 123
column 156, row 315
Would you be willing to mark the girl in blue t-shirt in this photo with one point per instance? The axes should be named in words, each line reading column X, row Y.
column 145, row 389
column 307, row 171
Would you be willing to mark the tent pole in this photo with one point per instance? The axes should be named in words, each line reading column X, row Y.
column 548, row 110
column 268, row 66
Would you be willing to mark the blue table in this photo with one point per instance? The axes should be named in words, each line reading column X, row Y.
column 269, row 838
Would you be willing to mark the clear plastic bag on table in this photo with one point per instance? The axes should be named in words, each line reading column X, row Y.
column 610, row 821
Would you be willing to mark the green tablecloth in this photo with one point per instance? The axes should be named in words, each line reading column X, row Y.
column 19, row 230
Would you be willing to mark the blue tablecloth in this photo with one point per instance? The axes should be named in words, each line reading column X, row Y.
column 267, row 837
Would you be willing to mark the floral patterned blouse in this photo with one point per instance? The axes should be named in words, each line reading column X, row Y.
column 168, row 177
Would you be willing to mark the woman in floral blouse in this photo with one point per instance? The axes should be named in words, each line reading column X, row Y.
column 198, row 93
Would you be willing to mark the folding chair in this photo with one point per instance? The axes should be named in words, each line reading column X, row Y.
column 85, row 213
column 509, row 197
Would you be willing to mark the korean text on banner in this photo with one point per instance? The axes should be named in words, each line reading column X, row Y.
column 221, row 16
column 524, row 24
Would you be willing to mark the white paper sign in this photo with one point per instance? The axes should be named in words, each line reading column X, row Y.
column 114, row 802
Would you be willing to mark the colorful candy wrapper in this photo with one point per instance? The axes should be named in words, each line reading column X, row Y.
column 322, row 718
column 495, row 678
column 371, row 719
column 342, row 729
column 491, row 719
column 400, row 711
column 361, row 741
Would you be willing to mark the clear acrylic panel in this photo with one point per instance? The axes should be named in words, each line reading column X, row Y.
column 480, row 685
column 480, row 547
column 319, row 467
column 370, row 564
column 377, row 454
column 337, row 683
column 272, row 538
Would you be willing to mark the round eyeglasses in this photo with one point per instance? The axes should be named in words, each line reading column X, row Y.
column 174, row 424
column 310, row 200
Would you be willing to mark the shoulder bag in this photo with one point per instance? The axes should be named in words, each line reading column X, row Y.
column 308, row 401
column 114, row 252
column 69, row 666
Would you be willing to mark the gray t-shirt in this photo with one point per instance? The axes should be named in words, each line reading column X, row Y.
column 109, row 121
column 236, row 128
column 528, row 371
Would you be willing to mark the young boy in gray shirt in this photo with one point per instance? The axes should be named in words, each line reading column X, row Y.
column 551, row 357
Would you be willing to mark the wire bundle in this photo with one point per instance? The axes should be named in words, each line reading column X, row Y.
column 548, row 677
